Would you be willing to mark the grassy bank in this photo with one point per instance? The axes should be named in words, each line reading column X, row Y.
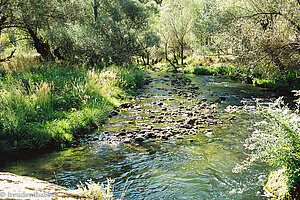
column 276, row 80
column 49, row 105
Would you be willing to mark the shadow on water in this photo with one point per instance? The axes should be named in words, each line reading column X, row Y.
column 174, row 169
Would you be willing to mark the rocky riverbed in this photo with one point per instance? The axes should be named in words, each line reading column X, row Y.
column 178, row 113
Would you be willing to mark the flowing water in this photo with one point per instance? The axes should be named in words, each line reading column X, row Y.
column 199, row 168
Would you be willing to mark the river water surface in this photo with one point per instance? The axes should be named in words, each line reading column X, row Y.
column 200, row 168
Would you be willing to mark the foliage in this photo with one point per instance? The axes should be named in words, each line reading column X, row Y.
column 276, row 139
column 51, row 104
column 70, row 30
column 264, row 82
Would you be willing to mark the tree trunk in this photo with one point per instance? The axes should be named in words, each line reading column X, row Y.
column 166, row 52
column 2, row 23
column 148, row 59
column 175, row 57
column 143, row 59
column 42, row 48
column 181, row 45
column 167, row 59
column 96, row 5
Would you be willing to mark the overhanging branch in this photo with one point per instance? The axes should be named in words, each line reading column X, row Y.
column 9, row 57
column 297, row 26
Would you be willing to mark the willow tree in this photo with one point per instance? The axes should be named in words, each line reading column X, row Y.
column 108, row 31
column 35, row 19
column 176, row 22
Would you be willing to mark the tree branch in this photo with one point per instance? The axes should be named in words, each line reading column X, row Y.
column 9, row 57
column 297, row 26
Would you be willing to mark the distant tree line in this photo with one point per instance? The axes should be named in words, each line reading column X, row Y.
column 117, row 31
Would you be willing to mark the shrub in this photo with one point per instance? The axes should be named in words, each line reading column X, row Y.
column 266, row 83
column 97, row 191
column 202, row 71
column 199, row 70
column 225, row 70
column 276, row 140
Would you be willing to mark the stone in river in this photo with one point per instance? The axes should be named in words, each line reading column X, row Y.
column 127, row 140
column 139, row 138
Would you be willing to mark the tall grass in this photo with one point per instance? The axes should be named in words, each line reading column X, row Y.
column 21, row 59
column 97, row 191
column 51, row 104
column 93, row 190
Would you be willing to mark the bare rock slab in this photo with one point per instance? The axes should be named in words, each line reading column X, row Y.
column 21, row 187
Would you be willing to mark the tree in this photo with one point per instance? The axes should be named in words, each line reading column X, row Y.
column 264, row 31
column 35, row 18
column 176, row 22
column 109, row 32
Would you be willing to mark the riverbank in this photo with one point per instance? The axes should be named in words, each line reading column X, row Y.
column 50, row 105
column 275, row 81
column 271, row 78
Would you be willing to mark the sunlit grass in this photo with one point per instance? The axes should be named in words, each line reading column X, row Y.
column 96, row 190
column 51, row 104
column 101, row 191
column 20, row 61
column 216, row 69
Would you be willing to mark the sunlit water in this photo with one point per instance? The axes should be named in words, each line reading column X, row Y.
column 175, row 169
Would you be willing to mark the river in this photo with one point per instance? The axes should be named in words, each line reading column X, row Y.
column 198, row 166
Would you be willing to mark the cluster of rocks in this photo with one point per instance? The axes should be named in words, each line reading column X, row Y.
column 174, row 123
column 172, row 116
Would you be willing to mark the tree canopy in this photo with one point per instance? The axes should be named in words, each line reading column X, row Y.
column 118, row 31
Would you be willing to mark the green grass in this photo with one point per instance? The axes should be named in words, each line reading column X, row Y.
column 49, row 105
column 211, row 70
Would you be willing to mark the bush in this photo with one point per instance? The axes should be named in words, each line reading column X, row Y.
column 202, row 71
column 199, row 70
column 264, row 83
column 276, row 140
column 211, row 70
column 225, row 70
